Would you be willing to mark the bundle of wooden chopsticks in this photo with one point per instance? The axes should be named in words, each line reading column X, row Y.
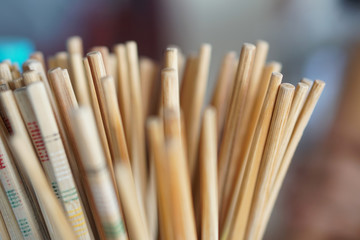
column 108, row 146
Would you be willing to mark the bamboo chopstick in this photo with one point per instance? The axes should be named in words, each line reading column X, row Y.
column 137, row 144
column 236, row 168
column 192, row 112
column 185, row 174
column 183, row 218
column 124, row 89
column 27, row 157
column 299, row 128
column 98, row 173
column 237, row 213
column 237, row 104
column 135, row 219
column 65, row 97
column 208, row 172
column 273, row 142
column 4, row 235
column 29, row 218
column 58, row 171
column 157, row 150
column 11, row 226
column 77, row 72
column 222, row 91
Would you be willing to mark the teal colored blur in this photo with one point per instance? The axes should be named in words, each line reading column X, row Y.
column 16, row 49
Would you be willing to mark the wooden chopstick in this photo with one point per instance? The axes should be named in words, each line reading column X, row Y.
column 14, row 125
column 77, row 72
column 237, row 103
column 193, row 111
column 137, row 145
column 237, row 211
column 11, row 225
column 157, row 151
column 303, row 119
column 5, row 72
column 149, row 76
column 65, row 96
column 135, row 218
column 183, row 217
column 4, row 235
column 124, row 90
column 222, row 91
column 25, row 154
column 98, row 173
column 273, row 142
column 236, row 168
column 208, row 173
column 97, row 107
column 58, row 171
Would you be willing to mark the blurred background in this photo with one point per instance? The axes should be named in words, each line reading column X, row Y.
column 314, row 39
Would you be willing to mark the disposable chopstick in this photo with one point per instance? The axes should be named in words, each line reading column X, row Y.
column 299, row 128
column 124, row 90
column 152, row 216
column 59, row 172
column 11, row 225
column 39, row 56
column 31, row 124
column 237, row 168
column 16, row 195
column 15, row 71
column 272, row 145
column 237, row 212
column 149, row 72
column 29, row 162
column 51, row 62
column 250, row 99
column 170, row 90
column 37, row 66
column 171, row 62
column 65, row 96
column 157, row 151
column 237, row 104
column 117, row 135
column 183, row 217
column 193, row 112
column 296, row 106
column 118, row 141
column 14, row 125
column 98, row 71
column 4, row 85
column 137, row 145
column 187, row 80
column 113, row 69
column 31, row 76
column 5, row 72
column 104, row 51
column 98, row 117
column 97, row 173
column 307, row 82
column 171, row 59
column 4, row 235
column 16, row 83
column 77, row 72
column 208, row 179
column 222, row 91
column 135, row 220
column 62, row 60
column 262, row 48
column 74, row 45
